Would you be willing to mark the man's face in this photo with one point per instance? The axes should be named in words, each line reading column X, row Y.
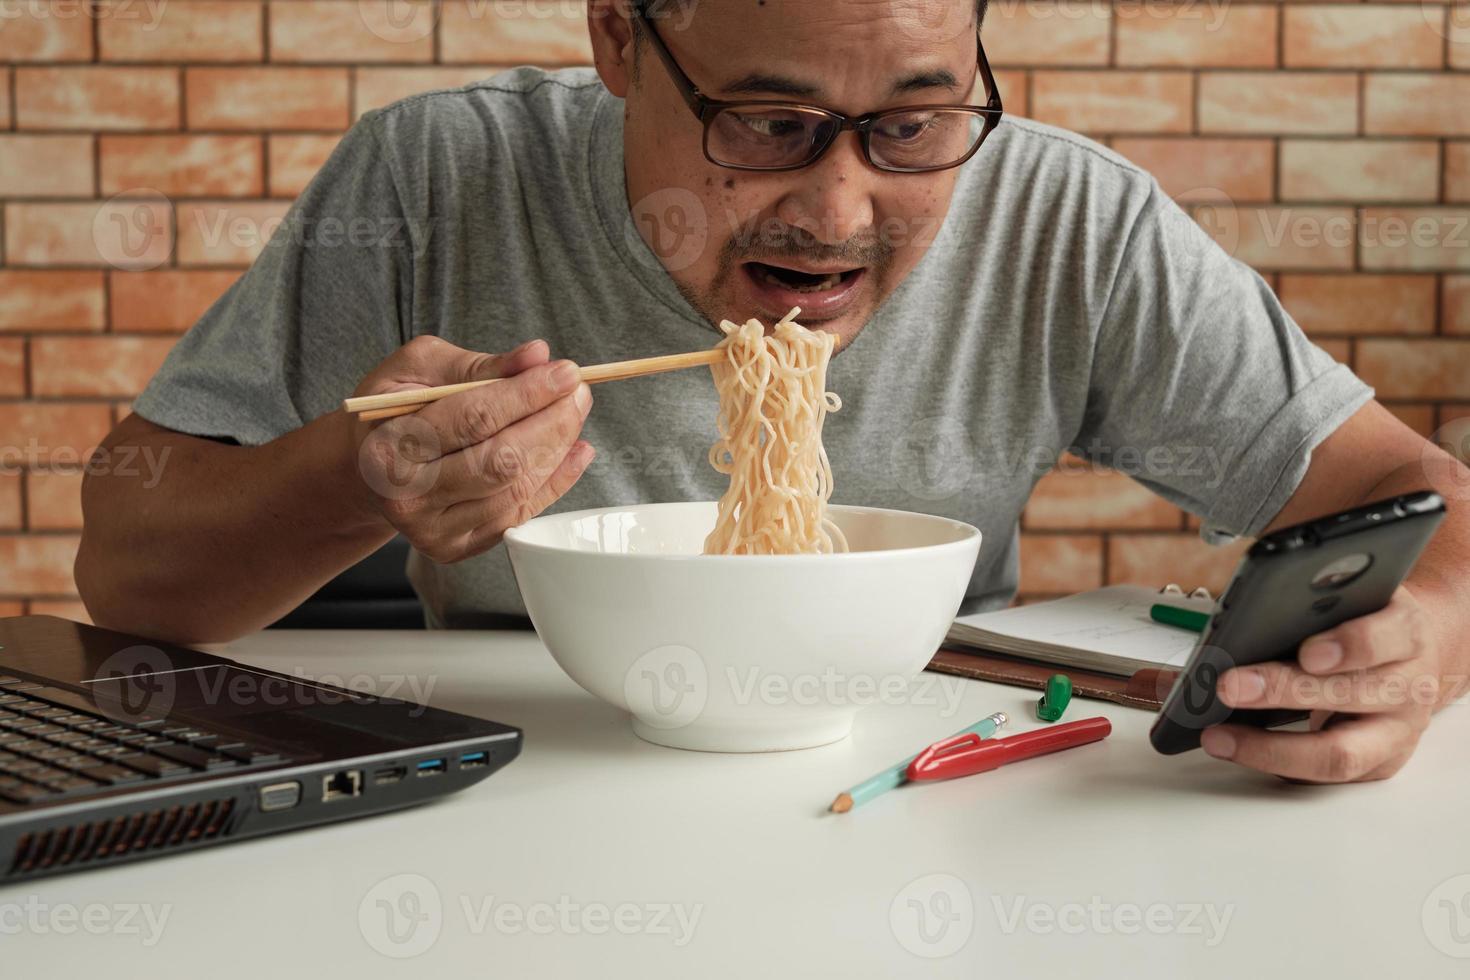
column 836, row 237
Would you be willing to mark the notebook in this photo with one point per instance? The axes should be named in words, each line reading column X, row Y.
column 1104, row 640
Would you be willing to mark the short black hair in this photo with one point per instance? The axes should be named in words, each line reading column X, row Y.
column 653, row 9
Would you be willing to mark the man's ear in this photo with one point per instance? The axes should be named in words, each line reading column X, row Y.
column 612, row 43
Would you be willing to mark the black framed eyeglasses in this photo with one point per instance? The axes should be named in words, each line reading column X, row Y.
column 770, row 135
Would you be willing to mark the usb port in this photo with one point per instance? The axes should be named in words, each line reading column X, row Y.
column 391, row 774
column 431, row 767
column 472, row 760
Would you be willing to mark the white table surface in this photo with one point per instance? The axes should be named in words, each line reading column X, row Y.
column 1106, row 861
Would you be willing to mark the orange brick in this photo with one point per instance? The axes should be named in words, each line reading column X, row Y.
column 227, row 232
column 12, row 366
column 1113, row 101
column 266, row 98
column 1418, row 417
column 5, row 99
column 1047, row 32
column 1458, row 22
column 54, row 499
column 1080, row 497
column 1278, row 102
column 37, row 564
column 1340, row 350
column 1277, row 237
column 193, row 30
column 123, row 232
column 363, row 31
column 378, row 87
column 1060, row 563
column 1155, row 559
column 45, row 32
column 1415, row 369
column 1012, row 86
column 1243, row 169
column 59, row 432
column 50, row 300
column 168, row 300
column 1456, row 304
column 1196, row 36
column 96, row 98
column 183, row 166
column 1359, row 304
column 72, row 609
column 1409, row 104
column 1415, row 238
column 294, row 160
column 1362, row 36
column 539, row 32
column 10, row 513
column 1457, row 172
column 95, row 365
column 45, row 166
column 1359, row 170
column 12, row 607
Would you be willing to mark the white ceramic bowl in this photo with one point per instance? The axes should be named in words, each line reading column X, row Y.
column 740, row 653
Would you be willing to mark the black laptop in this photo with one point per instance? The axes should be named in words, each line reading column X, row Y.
column 115, row 748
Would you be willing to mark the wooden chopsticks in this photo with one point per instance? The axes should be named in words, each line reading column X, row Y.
column 386, row 406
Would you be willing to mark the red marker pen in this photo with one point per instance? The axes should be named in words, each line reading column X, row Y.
column 966, row 754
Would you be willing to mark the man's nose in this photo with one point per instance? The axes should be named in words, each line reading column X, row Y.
column 832, row 199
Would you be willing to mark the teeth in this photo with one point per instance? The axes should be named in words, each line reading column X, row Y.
column 829, row 282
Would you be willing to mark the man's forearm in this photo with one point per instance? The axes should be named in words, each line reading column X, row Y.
column 221, row 540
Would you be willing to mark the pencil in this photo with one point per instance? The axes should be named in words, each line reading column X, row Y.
column 894, row 775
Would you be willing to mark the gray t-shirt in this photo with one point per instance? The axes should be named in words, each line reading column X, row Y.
column 1065, row 301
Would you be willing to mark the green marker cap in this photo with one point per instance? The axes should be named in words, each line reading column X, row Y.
column 1056, row 697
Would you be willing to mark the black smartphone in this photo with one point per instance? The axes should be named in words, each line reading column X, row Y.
column 1293, row 583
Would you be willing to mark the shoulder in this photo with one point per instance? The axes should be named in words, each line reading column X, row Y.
column 1031, row 164
column 525, row 114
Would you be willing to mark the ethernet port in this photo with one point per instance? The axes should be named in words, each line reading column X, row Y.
column 341, row 785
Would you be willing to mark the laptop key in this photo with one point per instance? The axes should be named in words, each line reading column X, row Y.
column 25, row 793
column 114, row 775
column 72, row 785
column 194, row 757
column 112, row 751
column 249, row 754
column 151, row 764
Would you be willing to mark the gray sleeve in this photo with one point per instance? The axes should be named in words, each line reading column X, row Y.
column 1203, row 388
column 327, row 299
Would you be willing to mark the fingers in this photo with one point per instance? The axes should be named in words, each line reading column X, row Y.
column 431, row 360
column 1280, row 684
column 488, row 533
column 519, row 458
column 1353, row 749
column 1398, row 631
column 472, row 417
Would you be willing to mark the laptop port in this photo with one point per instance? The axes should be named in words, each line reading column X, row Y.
column 392, row 774
column 473, row 760
column 341, row 785
column 279, row 796
column 431, row 767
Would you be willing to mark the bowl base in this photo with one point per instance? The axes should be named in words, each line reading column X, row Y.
column 704, row 738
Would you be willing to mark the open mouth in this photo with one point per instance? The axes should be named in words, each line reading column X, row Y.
column 799, row 281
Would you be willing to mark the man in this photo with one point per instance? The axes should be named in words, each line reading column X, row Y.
column 995, row 303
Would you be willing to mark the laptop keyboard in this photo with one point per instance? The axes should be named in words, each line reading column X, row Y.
column 53, row 746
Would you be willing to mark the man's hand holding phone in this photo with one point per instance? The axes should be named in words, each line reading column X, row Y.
column 1370, row 683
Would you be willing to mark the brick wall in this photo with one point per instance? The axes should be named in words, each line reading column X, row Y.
column 1326, row 144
